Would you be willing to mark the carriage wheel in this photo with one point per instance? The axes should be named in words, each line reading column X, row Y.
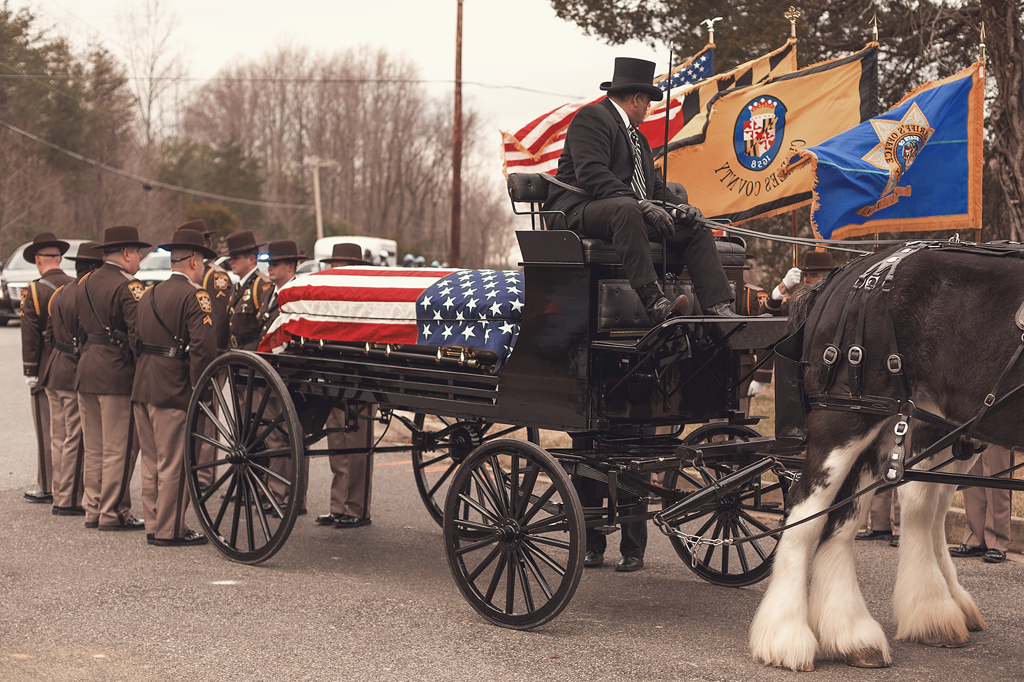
column 755, row 508
column 242, row 412
column 437, row 454
column 514, row 533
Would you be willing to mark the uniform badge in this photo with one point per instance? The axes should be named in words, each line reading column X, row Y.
column 247, row 295
column 204, row 301
column 221, row 281
column 207, row 320
column 137, row 289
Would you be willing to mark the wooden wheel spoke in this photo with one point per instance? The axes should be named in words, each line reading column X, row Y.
column 240, row 499
column 228, row 496
column 497, row 479
column 256, row 418
column 481, row 509
column 524, row 582
column 495, row 551
column 486, row 491
column 479, row 544
column 486, row 435
column 262, row 436
column 711, row 548
column 519, row 500
column 492, row 587
column 545, row 557
column 232, row 413
column 260, row 514
column 755, row 522
column 226, row 430
column 444, row 477
column 431, row 462
column 214, row 487
column 552, row 542
column 548, row 524
column 209, row 441
column 742, row 555
column 266, row 471
column 250, row 531
column 513, row 486
column 538, row 504
column 726, row 532
column 250, row 376
column 510, row 585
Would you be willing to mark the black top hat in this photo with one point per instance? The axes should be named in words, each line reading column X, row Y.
column 634, row 74
column 241, row 242
column 284, row 250
column 346, row 254
column 197, row 225
column 122, row 236
column 43, row 240
column 817, row 260
column 87, row 252
column 190, row 240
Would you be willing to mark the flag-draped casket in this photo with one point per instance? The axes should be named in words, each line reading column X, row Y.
column 476, row 309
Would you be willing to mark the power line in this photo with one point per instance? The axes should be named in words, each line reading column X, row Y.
column 146, row 182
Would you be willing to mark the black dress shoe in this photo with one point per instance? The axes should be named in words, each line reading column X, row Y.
column 348, row 521
column 188, row 539
column 149, row 538
column 92, row 524
column 38, row 496
column 328, row 519
column 895, row 542
column 593, row 560
column 628, row 564
column 202, row 487
column 130, row 523
column 68, row 511
column 994, row 556
column 966, row 550
column 874, row 535
column 270, row 511
column 719, row 310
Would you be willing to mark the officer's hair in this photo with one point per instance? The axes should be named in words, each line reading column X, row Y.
column 117, row 249
column 178, row 255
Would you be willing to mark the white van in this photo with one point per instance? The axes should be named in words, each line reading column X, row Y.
column 375, row 250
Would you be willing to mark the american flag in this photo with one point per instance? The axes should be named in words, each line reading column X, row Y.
column 535, row 148
column 426, row 306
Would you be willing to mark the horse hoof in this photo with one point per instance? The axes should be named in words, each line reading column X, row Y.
column 866, row 658
column 809, row 668
column 940, row 643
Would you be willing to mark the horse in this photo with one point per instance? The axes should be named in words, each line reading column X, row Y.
column 947, row 313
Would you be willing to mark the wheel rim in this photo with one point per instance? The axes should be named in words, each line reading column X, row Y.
column 514, row 534
column 242, row 410
column 437, row 454
column 757, row 507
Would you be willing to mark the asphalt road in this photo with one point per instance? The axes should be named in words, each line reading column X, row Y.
column 378, row 603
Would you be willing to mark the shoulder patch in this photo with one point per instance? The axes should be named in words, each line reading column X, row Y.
column 136, row 288
column 204, row 301
column 221, row 281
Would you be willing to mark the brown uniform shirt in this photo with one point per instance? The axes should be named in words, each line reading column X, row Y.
column 244, row 311
column 217, row 284
column 187, row 311
column 58, row 373
column 103, row 368
column 269, row 310
column 35, row 301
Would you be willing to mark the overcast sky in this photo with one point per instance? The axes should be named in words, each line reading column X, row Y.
column 507, row 44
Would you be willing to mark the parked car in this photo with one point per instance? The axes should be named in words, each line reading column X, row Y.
column 155, row 267
column 18, row 272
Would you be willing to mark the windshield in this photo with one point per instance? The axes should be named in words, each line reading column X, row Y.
column 156, row 261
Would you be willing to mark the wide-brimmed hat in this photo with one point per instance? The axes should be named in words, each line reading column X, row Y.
column 198, row 225
column 123, row 236
column 815, row 261
column 190, row 240
column 634, row 74
column 346, row 254
column 43, row 240
column 284, row 250
column 241, row 242
column 88, row 252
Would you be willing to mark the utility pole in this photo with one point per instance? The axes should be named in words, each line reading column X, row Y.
column 457, row 147
column 316, row 163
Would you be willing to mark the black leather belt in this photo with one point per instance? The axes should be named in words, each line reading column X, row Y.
column 162, row 351
column 68, row 348
column 99, row 339
column 239, row 341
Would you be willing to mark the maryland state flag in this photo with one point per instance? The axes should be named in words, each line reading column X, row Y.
column 917, row 167
column 730, row 170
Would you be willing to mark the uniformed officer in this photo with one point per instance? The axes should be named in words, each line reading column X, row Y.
column 244, row 306
column 282, row 257
column 58, row 377
column 352, row 475
column 107, row 305
column 177, row 339
column 45, row 252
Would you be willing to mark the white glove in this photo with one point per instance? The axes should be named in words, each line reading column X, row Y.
column 31, row 381
column 755, row 388
column 792, row 278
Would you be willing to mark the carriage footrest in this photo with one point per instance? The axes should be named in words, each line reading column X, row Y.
column 706, row 498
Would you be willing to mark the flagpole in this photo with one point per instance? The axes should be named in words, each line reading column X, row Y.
column 793, row 14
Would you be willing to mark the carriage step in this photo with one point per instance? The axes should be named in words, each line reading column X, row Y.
column 705, row 499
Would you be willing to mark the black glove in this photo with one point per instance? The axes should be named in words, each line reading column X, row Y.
column 659, row 222
column 688, row 216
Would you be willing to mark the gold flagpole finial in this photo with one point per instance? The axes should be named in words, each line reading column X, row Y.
column 874, row 27
column 710, row 23
column 792, row 14
column 982, row 45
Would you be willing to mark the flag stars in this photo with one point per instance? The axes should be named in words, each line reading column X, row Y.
column 468, row 333
column 449, row 303
column 426, row 302
column 516, row 305
column 495, row 308
column 447, row 332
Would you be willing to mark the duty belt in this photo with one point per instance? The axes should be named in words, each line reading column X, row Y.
column 100, row 340
column 239, row 341
column 161, row 351
column 68, row 348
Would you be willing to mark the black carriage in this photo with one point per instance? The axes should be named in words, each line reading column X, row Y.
column 587, row 363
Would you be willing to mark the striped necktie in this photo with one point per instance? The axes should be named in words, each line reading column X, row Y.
column 639, row 184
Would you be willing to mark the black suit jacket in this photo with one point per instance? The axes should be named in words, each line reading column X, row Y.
column 597, row 157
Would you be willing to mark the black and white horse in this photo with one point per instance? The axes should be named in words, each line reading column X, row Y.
column 953, row 315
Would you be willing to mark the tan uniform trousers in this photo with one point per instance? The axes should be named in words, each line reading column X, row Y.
column 885, row 512
column 111, row 446
column 987, row 509
column 164, row 488
column 279, row 465
column 66, row 448
column 41, row 419
column 353, row 474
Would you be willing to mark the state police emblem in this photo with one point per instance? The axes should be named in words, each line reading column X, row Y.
column 759, row 132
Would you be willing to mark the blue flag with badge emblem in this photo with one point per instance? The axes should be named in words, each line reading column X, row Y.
column 915, row 168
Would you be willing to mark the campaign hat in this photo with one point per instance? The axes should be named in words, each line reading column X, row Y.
column 634, row 74
column 122, row 236
column 88, row 252
column 43, row 240
column 284, row 250
column 816, row 261
column 242, row 241
column 346, row 254
column 190, row 240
